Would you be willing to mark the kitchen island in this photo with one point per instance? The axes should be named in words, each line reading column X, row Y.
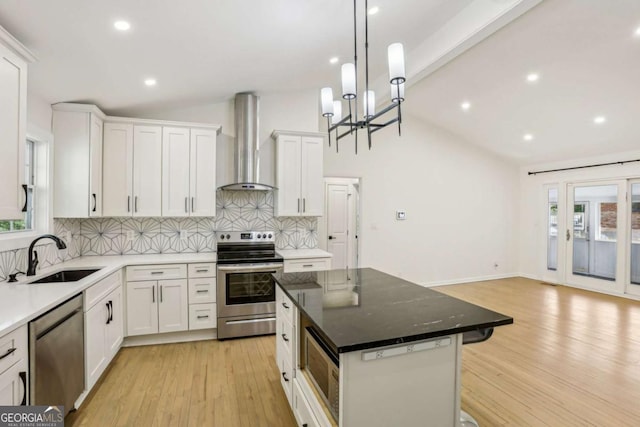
column 396, row 345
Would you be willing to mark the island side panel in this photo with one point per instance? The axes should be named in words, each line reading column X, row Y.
column 407, row 389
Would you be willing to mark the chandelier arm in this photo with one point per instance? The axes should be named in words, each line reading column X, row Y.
column 366, row 62
column 399, row 120
column 329, row 129
column 382, row 126
column 355, row 60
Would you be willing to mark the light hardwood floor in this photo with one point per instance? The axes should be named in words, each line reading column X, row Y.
column 572, row 358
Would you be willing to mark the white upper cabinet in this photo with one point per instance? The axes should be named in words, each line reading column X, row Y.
column 203, row 172
column 77, row 130
column 299, row 174
column 13, row 123
column 132, row 167
column 117, row 161
column 175, row 172
column 147, row 170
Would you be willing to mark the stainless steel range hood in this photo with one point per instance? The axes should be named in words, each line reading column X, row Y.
column 247, row 165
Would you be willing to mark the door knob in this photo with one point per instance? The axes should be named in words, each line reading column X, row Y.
column 568, row 235
column 330, row 237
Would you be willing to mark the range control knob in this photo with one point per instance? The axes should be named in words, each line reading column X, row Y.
column 270, row 235
column 264, row 236
column 258, row 236
column 228, row 237
column 222, row 236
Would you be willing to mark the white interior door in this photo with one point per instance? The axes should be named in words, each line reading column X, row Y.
column 338, row 227
column 554, row 229
column 338, row 224
column 595, row 236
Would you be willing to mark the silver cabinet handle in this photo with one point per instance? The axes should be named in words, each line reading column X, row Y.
column 202, row 291
column 153, row 294
column 307, row 265
column 128, row 203
column 193, row 204
column 160, row 293
column 135, row 204
column 304, row 204
column 157, row 272
column 203, row 317
column 298, row 205
column 186, row 205
column 202, row 270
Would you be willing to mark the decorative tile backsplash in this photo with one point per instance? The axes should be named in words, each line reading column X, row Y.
column 236, row 211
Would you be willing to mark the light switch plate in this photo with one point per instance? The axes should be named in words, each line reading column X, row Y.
column 400, row 215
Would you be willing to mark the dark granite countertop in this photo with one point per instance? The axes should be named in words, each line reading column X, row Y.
column 365, row 308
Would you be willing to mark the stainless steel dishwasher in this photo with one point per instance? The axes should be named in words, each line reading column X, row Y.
column 56, row 355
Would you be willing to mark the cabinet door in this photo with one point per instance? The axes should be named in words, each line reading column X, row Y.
column 13, row 113
column 173, row 305
column 175, row 172
column 117, row 162
column 301, row 408
column 311, row 184
column 13, row 385
column 147, row 171
column 96, row 323
column 115, row 329
column 288, row 202
column 203, row 172
column 95, row 167
column 142, row 308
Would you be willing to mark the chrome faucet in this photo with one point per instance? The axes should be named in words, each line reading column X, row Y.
column 33, row 255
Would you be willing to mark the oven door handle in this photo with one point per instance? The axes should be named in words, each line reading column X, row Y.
column 243, row 268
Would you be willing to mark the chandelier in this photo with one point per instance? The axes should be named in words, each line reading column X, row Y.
column 352, row 122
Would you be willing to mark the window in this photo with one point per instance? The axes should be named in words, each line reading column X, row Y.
column 28, row 222
column 607, row 221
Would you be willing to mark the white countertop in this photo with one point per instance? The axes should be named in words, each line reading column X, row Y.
column 303, row 253
column 21, row 302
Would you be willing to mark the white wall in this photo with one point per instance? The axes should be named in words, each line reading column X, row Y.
column 461, row 204
column 38, row 111
column 533, row 202
column 283, row 111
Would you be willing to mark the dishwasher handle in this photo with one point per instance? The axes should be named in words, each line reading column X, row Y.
column 58, row 323
column 23, row 377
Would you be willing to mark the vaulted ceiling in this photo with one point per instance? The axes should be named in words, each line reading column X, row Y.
column 585, row 52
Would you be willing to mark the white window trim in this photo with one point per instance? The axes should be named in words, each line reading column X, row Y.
column 44, row 194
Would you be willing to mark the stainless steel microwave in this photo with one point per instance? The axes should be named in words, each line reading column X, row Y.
column 323, row 367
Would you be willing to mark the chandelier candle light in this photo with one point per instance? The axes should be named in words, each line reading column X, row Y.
column 332, row 109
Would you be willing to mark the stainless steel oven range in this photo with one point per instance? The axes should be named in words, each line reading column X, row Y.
column 246, row 292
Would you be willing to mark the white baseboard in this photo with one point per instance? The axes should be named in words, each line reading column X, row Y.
column 471, row 279
column 170, row 337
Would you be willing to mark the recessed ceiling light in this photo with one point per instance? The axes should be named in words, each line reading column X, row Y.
column 527, row 137
column 150, row 82
column 637, row 32
column 333, row 60
column 466, row 105
column 373, row 10
column 121, row 25
column 599, row 120
column 533, row 77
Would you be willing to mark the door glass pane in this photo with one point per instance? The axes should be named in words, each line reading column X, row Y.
column 595, row 228
column 552, row 229
column 635, row 234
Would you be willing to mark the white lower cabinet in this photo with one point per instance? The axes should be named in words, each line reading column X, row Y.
column 301, row 408
column 104, row 326
column 157, row 306
column 14, row 367
column 202, row 296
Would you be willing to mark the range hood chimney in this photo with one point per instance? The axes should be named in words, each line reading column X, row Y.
column 247, row 144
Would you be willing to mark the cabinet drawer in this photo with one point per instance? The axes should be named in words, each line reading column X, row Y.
column 284, row 335
column 202, row 316
column 205, row 269
column 202, row 290
column 307, row 264
column 301, row 408
column 156, row 272
column 96, row 292
column 13, row 347
column 13, row 386
column 284, row 306
column 285, row 371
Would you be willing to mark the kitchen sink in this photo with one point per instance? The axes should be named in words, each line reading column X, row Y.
column 66, row 276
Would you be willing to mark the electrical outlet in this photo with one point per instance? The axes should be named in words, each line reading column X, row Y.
column 130, row 235
column 183, row 234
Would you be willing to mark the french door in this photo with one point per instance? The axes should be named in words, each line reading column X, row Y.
column 595, row 235
column 633, row 227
